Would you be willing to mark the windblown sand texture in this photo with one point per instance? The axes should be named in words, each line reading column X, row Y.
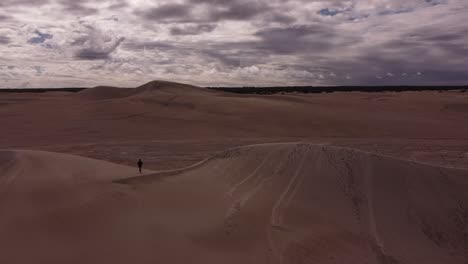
column 346, row 197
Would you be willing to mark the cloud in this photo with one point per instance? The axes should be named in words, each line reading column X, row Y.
column 93, row 44
column 296, row 39
column 40, row 70
column 23, row 2
column 168, row 12
column 150, row 45
column 40, row 37
column 277, row 17
column 329, row 12
column 4, row 17
column 78, row 7
column 234, row 42
column 4, row 40
column 192, row 29
column 206, row 11
column 237, row 10
column 98, row 52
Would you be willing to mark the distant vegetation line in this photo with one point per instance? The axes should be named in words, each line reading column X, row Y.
column 331, row 89
column 41, row 90
column 276, row 90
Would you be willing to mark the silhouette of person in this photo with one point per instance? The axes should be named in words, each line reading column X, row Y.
column 140, row 164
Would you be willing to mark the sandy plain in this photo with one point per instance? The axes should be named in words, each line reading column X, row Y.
column 295, row 178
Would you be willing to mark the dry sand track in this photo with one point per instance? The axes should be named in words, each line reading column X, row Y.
column 271, row 203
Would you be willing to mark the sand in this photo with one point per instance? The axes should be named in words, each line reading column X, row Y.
column 369, row 178
column 271, row 203
column 174, row 125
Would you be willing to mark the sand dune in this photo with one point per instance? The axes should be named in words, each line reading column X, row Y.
column 154, row 88
column 173, row 125
column 271, row 203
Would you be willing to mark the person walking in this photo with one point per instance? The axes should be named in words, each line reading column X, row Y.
column 140, row 164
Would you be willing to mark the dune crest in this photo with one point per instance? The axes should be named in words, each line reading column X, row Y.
column 149, row 89
column 301, row 203
column 271, row 203
column 166, row 86
column 104, row 93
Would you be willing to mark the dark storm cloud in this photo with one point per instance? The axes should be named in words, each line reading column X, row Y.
column 23, row 2
column 90, row 54
column 4, row 17
column 431, row 54
column 78, row 7
column 213, row 11
column 444, row 76
column 227, row 59
column 236, row 10
column 4, row 40
column 275, row 17
column 422, row 43
column 293, row 40
column 404, row 63
column 193, row 29
column 169, row 12
column 235, row 56
column 296, row 39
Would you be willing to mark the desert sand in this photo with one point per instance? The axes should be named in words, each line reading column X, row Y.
column 318, row 178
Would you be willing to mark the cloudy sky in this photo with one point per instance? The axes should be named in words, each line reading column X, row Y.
column 64, row 43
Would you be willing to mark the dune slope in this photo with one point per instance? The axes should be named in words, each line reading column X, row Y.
column 273, row 203
column 172, row 125
column 55, row 206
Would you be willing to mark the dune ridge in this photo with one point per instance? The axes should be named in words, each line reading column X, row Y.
column 269, row 203
column 147, row 89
